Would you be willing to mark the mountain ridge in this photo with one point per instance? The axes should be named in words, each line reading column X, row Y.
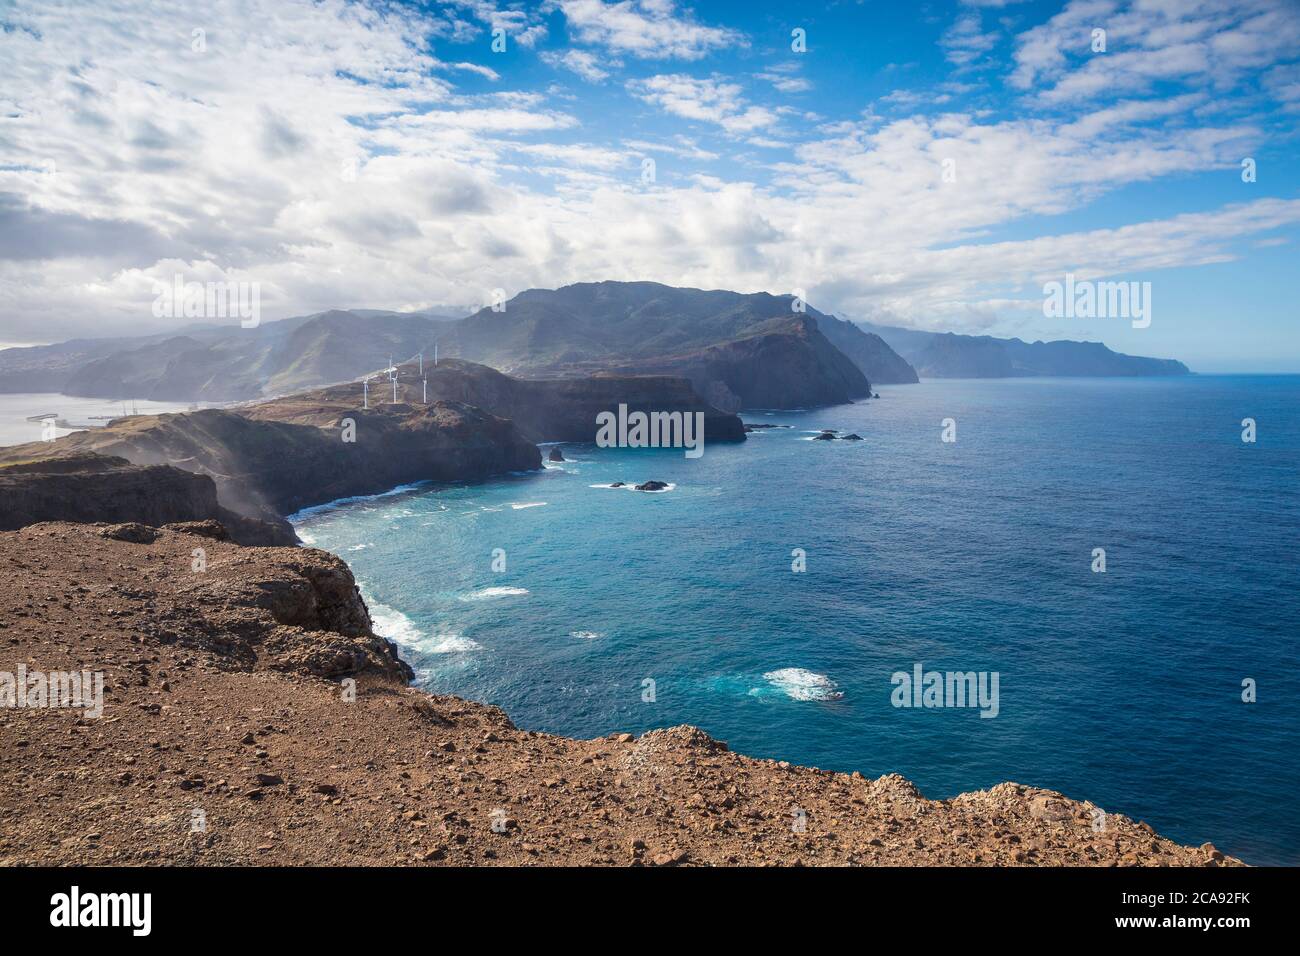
column 955, row 355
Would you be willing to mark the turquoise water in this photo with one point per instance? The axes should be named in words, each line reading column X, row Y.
column 1123, row 687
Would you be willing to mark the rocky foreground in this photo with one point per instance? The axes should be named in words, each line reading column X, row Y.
column 228, row 737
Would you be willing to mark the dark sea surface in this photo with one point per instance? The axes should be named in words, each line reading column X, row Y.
column 1123, row 688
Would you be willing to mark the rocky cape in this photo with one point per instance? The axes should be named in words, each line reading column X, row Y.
column 224, row 692
column 249, row 466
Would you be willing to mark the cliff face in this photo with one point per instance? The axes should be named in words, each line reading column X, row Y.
column 738, row 351
column 790, row 366
column 265, row 466
column 270, row 459
column 543, row 409
column 222, row 692
column 89, row 487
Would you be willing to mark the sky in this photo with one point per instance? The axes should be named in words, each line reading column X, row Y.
column 930, row 165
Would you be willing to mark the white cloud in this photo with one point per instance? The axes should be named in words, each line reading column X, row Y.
column 334, row 160
column 965, row 42
column 1210, row 44
column 786, row 83
column 712, row 100
column 585, row 64
column 650, row 29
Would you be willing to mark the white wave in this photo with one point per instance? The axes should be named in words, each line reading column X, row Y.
column 799, row 684
column 352, row 499
column 308, row 539
column 393, row 624
column 452, row 644
column 489, row 594
column 359, row 547
column 528, row 504
column 586, row 635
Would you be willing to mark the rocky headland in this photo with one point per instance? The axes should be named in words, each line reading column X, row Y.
column 251, row 465
column 232, row 733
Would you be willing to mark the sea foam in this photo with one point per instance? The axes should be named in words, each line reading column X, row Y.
column 491, row 594
column 799, row 684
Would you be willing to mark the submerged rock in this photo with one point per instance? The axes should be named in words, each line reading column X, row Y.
column 652, row 486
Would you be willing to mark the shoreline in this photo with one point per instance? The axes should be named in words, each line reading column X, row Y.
column 341, row 504
column 227, row 700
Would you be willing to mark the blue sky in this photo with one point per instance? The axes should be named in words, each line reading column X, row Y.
column 386, row 155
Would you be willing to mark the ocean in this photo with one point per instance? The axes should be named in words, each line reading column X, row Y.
column 583, row 610
column 16, row 407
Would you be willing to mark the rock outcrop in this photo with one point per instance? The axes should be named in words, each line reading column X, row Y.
column 92, row 487
column 549, row 410
column 273, row 459
column 223, row 692
column 787, row 364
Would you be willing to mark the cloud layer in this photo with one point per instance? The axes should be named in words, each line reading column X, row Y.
column 347, row 154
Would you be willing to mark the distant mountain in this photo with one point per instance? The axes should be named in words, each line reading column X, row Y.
column 739, row 351
column 736, row 350
column 880, row 363
column 948, row 355
column 222, row 363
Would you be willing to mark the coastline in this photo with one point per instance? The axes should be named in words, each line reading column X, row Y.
column 301, row 771
column 415, row 486
column 411, row 627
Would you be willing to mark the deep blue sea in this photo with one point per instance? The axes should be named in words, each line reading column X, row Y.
column 1123, row 687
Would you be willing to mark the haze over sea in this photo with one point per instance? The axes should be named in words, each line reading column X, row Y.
column 1123, row 688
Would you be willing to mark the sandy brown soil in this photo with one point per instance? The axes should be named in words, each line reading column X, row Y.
column 226, row 695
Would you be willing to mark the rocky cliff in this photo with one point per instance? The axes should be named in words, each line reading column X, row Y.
column 738, row 351
column 224, row 692
column 544, row 410
column 90, row 487
column 788, row 363
column 266, row 467
column 269, row 459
